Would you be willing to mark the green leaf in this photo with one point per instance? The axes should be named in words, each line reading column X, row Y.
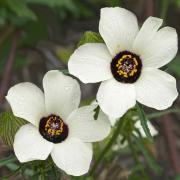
column 149, row 158
column 144, row 120
column 34, row 32
column 96, row 112
column 7, row 160
column 90, row 37
column 51, row 3
column 9, row 124
column 21, row 9
column 63, row 53
column 177, row 177
column 174, row 66
column 138, row 172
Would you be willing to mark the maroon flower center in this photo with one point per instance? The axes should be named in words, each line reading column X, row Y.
column 53, row 129
column 126, row 67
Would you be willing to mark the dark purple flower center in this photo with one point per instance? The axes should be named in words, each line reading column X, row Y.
column 53, row 129
column 126, row 67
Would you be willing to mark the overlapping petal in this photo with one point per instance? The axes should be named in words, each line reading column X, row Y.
column 62, row 93
column 91, row 63
column 156, row 89
column 29, row 145
column 27, row 102
column 146, row 34
column 162, row 49
column 82, row 125
column 73, row 156
column 116, row 98
column 118, row 27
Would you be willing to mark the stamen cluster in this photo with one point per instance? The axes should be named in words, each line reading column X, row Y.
column 126, row 67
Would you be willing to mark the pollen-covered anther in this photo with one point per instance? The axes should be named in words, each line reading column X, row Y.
column 53, row 129
column 126, row 67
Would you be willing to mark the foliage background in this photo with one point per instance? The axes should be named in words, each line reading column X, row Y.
column 39, row 35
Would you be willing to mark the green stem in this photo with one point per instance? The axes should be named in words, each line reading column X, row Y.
column 12, row 174
column 162, row 113
column 108, row 145
column 164, row 8
column 133, row 150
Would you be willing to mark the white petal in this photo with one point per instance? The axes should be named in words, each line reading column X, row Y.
column 162, row 49
column 73, row 156
column 156, row 89
column 118, row 27
column 27, row 101
column 112, row 119
column 82, row 125
column 146, row 34
column 153, row 131
column 116, row 98
column 62, row 93
column 91, row 63
column 29, row 145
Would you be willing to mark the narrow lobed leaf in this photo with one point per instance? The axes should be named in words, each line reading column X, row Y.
column 144, row 120
column 9, row 124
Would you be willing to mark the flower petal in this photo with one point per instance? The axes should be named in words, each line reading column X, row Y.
column 27, row 102
column 146, row 34
column 91, row 63
column 82, row 125
column 62, row 93
column 29, row 145
column 73, row 156
column 116, row 98
column 156, row 89
column 161, row 49
column 118, row 27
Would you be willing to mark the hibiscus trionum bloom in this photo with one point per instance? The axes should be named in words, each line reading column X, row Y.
column 57, row 126
column 128, row 62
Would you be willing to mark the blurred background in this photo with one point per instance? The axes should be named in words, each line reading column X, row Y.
column 39, row 35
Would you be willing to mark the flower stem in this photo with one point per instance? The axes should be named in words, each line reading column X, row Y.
column 162, row 113
column 108, row 145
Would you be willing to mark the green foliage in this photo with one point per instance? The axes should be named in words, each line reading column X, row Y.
column 50, row 3
column 63, row 53
column 136, row 173
column 177, row 177
column 149, row 158
column 3, row 55
column 144, row 120
column 34, row 32
column 7, row 160
column 96, row 112
column 9, row 124
column 90, row 37
column 21, row 9
column 174, row 66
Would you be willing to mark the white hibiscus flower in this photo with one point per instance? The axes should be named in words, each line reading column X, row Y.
column 128, row 62
column 57, row 126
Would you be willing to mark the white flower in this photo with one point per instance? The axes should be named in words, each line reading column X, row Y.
column 57, row 126
column 128, row 62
